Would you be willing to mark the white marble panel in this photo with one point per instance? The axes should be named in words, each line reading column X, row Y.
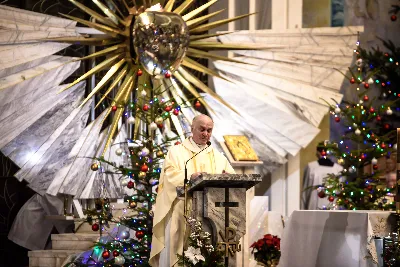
column 25, row 145
column 16, row 58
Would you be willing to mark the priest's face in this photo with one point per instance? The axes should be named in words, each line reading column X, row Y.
column 202, row 130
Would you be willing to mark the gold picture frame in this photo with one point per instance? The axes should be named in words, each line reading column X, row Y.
column 240, row 148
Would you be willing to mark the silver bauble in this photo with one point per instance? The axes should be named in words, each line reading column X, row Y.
column 352, row 169
column 124, row 181
column 124, row 235
column 143, row 93
column 359, row 62
column 395, row 146
column 337, row 110
column 119, row 260
column 357, row 131
column 374, row 161
column 389, row 111
column 160, row 40
column 159, row 120
column 145, row 151
column 119, row 151
column 370, row 81
column 131, row 120
column 153, row 126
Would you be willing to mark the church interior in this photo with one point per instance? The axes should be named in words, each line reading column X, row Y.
column 196, row 133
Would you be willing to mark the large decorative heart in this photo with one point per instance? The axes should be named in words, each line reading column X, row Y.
column 160, row 40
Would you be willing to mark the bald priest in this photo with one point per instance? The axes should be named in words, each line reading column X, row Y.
column 168, row 222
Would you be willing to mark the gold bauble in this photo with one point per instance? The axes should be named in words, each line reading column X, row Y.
column 142, row 175
column 132, row 204
column 159, row 120
column 340, row 161
column 94, row 167
column 160, row 154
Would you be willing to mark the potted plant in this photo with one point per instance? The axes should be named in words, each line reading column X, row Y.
column 267, row 250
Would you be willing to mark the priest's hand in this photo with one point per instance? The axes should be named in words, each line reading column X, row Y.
column 195, row 175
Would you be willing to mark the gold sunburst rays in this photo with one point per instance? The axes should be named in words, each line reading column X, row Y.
column 120, row 68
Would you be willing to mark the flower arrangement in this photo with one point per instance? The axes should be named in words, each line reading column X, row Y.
column 267, row 250
column 200, row 251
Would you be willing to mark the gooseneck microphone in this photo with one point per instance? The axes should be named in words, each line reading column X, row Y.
column 186, row 178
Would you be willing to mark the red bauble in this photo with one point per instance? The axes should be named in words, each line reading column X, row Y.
column 146, row 107
column 321, row 194
column 167, row 75
column 346, row 201
column 366, row 85
column 369, row 187
column 139, row 72
column 386, row 126
column 362, row 156
column 176, row 112
column 383, row 84
column 115, row 253
column 371, row 109
column 139, row 234
column 383, row 145
column 366, row 98
column 160, row 126
column 337, row 119
column 197, row 104
column 323, row 153
column 95, row 227
column 378, row 118
column 393, row 17
column 157, row 189
column 106, row 254
column 177, row 143
column 352, row 80
column 114, row 108
column 168, row 108
column 130, row 185
column 375, row 167
column 331, row 198
column 144, row 168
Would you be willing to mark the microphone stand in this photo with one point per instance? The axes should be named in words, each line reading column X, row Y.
column 185, row 181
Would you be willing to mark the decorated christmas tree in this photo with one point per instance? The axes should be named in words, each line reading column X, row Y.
column 368, row 139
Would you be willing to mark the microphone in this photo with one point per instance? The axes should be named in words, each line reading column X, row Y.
column 186, row 178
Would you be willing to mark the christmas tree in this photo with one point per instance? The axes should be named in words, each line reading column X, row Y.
column 368, row 134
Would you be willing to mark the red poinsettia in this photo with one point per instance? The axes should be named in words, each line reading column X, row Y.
column 267, row 249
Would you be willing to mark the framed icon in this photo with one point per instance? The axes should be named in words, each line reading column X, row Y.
column 240, row 148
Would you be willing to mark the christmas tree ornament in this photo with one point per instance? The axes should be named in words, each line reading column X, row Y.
column 177, row 143
column 95, row 227
column 386, row 126
column 366, row 98
column 355, row 125
column 331, row 198
column 176, row 112
column 357, row 131
column 337, row 119
column 371, row 109
column 359, row 62
column 362, row 156
column 374, row 161
column 94, row 167
column 393, row 17
column 145, row 152
column 383, row 145
column 132, row 204
column 366, row 85
column 167, row 75
column 139, row 234
column 118, row 151
column 340, row 161
column 395, row 146
column 378, row 118
column 321, row 194
column 323, row 153
column 144, row 168
column 337, row 110
column 130, row 185
column 131, row 120
column 139, row 72
column 160, row 154
column 197, row 105
column 159, row 120
column 142, row 175
column 119, row 260
column 146, row 107
column 124, row 181
column 153, row 126
column 160, row 126
column 115, row 253
column 143, row 93
column 361, row 102
column 389, row 111
column 370, row 81
column 124, row 235
column 106, row 254
column 352, row 80
column 168, row 108
column 369, row 187
column 352, row 169
column 114, row 108
column 375, row 167
column 153, row 181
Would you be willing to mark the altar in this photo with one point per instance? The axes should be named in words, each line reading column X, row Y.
column 334, row 238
